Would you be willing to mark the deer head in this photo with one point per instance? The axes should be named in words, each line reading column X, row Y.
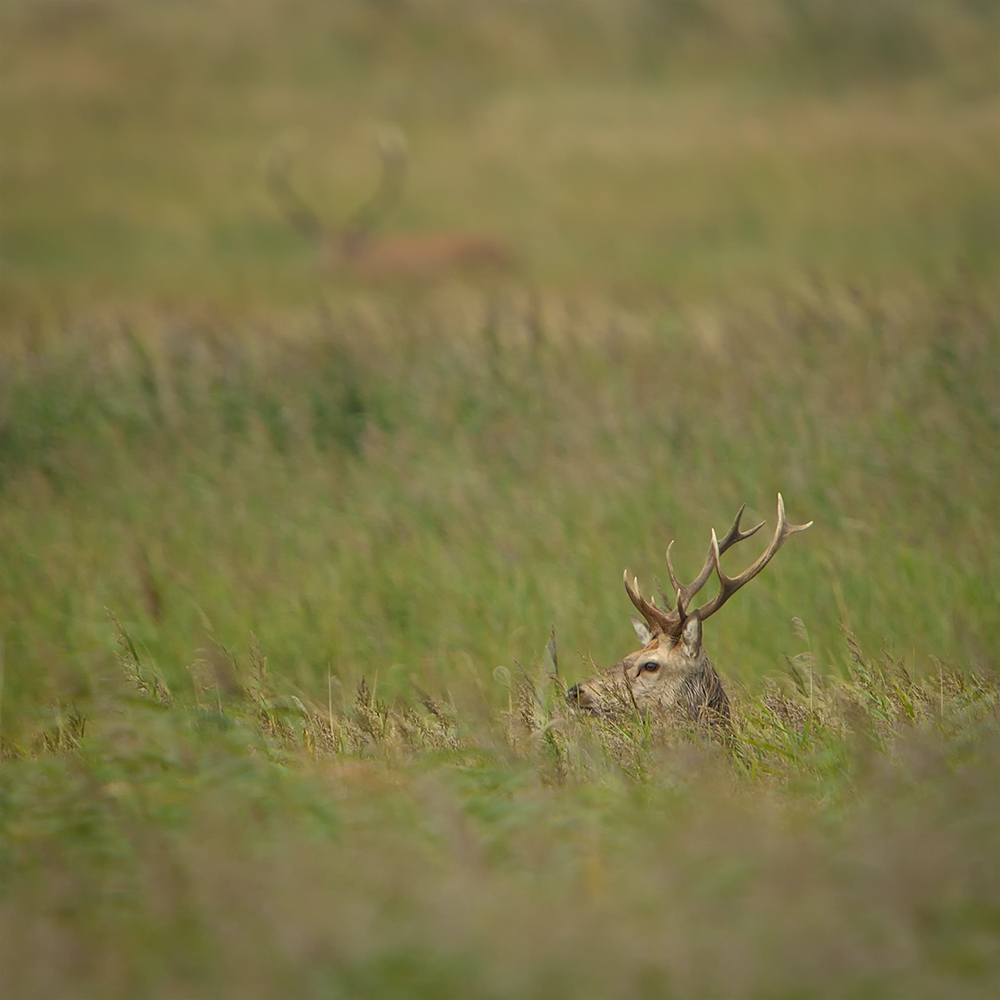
column 358, row 228
column 671, row 673
column 356, row 249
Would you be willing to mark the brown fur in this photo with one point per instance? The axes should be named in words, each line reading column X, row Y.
column 421, row 255
column 683, row 685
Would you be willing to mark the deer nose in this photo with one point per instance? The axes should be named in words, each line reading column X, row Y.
column 574, row 695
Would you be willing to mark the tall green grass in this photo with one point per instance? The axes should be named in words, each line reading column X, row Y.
column 401, row 493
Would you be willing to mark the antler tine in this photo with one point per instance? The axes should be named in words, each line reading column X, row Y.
column 655, row 618
column 394, row 154
column 392, row 144
column 728, row 585
column 732, row 536
column 679, row 598
column 277, row 176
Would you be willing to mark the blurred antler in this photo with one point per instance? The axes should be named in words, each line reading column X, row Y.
column 277, row 175
column 395, row 156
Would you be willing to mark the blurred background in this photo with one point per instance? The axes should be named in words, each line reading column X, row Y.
column 735, row 247
column 688, row 148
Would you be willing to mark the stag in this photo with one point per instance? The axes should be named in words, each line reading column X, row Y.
column 672, row 674
column 355, row 249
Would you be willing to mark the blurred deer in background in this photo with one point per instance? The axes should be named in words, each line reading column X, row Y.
column 356, row 249
column 672, row 673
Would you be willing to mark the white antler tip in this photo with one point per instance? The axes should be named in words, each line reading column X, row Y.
column 717, row 556
column 391, row 140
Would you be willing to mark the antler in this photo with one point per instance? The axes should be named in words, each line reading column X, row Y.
column 278, row 177
column 657, row 620
column 394, row 155
column 729, row 584
column 685, row 593
column 673, row 621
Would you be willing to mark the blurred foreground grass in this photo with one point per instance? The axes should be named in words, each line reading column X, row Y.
column 301, row 756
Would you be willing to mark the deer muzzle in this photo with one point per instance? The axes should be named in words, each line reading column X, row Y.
column 581, row 697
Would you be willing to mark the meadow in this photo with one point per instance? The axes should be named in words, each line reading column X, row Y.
column 295, row 568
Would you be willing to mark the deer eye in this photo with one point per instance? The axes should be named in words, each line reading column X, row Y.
column 650, row 667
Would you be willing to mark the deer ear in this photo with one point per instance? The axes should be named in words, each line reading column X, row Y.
column 691, row 636
column 641, row 629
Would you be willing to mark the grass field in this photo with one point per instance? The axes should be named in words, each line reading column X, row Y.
column 281, row 551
